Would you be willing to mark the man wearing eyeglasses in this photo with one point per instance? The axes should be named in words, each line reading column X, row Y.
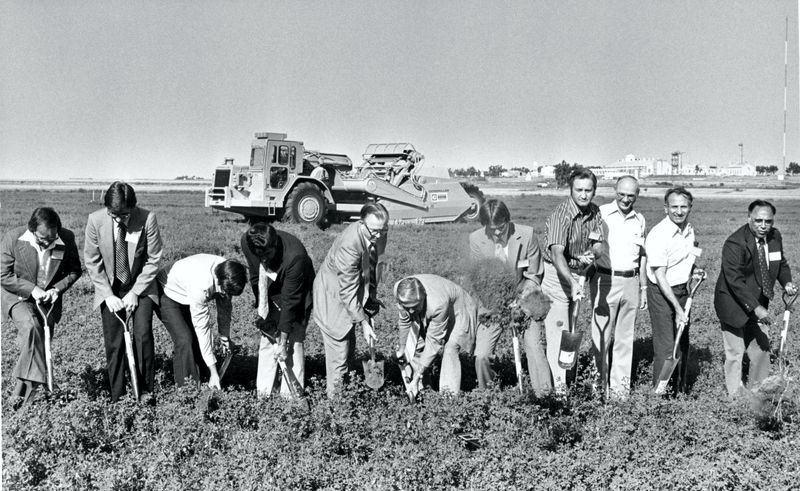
column 39, row 263
column 619, row 286
column 122, row 251
column 516, row 246
column 346, row 288
column 753, row 260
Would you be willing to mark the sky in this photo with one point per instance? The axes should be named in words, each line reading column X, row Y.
column 153, row 89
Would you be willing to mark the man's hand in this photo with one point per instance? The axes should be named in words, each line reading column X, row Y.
column 790, row 289
column 587, row 258
column 226, row 345
column 369, row 332
column 680, row 316
column 130, row 301
column 213, row 381
column 577, row 290
column 280, row 352
column 114, row 303
column 762, row 315
column 38, row 294
column 643, row 298
column 372, row 307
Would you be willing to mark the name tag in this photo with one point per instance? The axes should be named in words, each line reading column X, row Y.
column 524, row 263
column 133, row 237
column 58, row 255
column 696, row 251
column 775, row 256
column 594, row 236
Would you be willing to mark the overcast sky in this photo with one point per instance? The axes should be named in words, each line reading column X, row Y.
column 136, row 89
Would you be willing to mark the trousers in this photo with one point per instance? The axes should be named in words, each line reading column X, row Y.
column 486, row 340
column 750, row 339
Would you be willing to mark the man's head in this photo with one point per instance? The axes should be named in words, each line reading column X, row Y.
column 494, row 216
column 375, row 217
column 627, row 190
column 231, row 278
column 678, row 205
column 44, row 225
column 761, row 217
column 582, row 185
column 262, row 240
column 120, row 200
column 410, row 295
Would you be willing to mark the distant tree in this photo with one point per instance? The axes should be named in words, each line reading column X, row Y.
column 761, row 170
column 562, row 172
column 772, row 170
column 473, row 172
column 495, row 170
column 524, row 170
column 697, row 169
column 793, row 168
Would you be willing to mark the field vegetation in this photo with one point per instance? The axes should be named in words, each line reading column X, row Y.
column 496, row 439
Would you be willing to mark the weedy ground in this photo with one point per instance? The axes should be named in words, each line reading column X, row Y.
column 497, row 439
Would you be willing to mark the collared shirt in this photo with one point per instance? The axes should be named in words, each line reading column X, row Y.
column 570, row 227
column 42, row 254
column 668, row 246
column 191, row 281
column 625, row 238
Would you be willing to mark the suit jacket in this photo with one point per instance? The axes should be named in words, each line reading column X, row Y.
column 291, row 290
column 450, row 312
column 738, row 290
column 20, row 265
column 524, row 255
column 144, row 253
column 342, row 284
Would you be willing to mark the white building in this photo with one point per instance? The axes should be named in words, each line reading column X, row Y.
column 548, row 171
column 632, row 166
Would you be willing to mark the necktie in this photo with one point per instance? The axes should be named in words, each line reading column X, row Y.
column 763, row 268
column 121, row 269
column 373, row 269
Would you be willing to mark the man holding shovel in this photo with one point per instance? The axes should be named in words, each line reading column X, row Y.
column 752, row 260
column 570, row 232
column 282, row 278
column 619, row 287
column 671, row 253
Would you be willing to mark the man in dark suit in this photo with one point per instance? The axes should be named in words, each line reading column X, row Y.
column 122, row 251
column 282, row 277
column 39, row 263
column 752, row 260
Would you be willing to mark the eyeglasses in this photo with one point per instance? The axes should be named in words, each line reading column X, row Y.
column 118, row 217
column 497, row 228
column 45, row 240
column 375, row 233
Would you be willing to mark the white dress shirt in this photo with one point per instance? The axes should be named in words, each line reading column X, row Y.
column 668, row 246
column 625, row 237
column 42, row 254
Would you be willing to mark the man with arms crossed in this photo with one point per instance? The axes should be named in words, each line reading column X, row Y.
column 569, row 235
column 752, row 260
column 345, row 290
column 671, row 252
column 619, row 285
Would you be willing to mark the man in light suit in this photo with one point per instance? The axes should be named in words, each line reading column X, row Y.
column 282, row 277
column 345, row 290
column 39, row 263
column 516, row 246
column 122, row 251
column 447, row 319
column 752, row 260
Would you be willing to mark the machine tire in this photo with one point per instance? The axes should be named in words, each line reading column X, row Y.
column 476, row 194
column 305, row 204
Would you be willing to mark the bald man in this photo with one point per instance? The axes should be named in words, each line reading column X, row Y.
column 618, row 288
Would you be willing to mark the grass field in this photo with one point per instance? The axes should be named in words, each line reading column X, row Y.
column 75, row 438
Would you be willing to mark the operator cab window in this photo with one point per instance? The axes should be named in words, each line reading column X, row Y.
column 283, row 155
column 293, row 158
column 257, row 155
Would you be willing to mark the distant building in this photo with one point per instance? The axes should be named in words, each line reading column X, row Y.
column 547, row 171
column 511, row 173
column 631, row 166
column 738, row 170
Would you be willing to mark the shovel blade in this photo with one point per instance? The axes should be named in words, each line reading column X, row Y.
column 570, row 344
column 373, row 374
column 666, row 374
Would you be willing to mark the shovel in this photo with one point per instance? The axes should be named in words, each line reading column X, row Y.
column 129, row 353
column 517, row 358
column 295, row 387
column 404, row 358
column 571, row 340
column 604, row 360
column 373, row 370
column 672, row 362
column 786, row 314
column 48, row 353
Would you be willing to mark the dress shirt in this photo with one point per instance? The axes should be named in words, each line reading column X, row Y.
column 42, row 254
column 191, row 281
column 667, row 245
column 625, row 238
column 570, row 227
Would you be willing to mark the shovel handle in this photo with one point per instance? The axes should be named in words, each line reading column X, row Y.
column 788, row 303
column 48, row 353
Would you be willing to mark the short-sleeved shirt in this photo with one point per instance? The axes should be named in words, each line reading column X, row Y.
column 669, row 246
column 569, row 226
column 625, row 237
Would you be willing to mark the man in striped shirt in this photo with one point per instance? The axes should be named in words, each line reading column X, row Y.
column 570, row 231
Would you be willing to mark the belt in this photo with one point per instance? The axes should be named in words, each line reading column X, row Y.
column 630, row 273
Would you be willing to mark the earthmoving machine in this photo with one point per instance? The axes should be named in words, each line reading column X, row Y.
column 286, row 181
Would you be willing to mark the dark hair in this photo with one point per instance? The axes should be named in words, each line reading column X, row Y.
column 760, row 203
column 494, row 212
column 120, row 195
column 678, row 190
column 44, row 215
column 231, row 276
column 261, row 238
column 410, row 290
column 582, row 173
column 376, row 209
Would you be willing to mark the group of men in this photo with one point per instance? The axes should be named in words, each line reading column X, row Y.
column 627, row 270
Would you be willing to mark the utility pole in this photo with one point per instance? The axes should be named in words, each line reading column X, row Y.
column 741, row 154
